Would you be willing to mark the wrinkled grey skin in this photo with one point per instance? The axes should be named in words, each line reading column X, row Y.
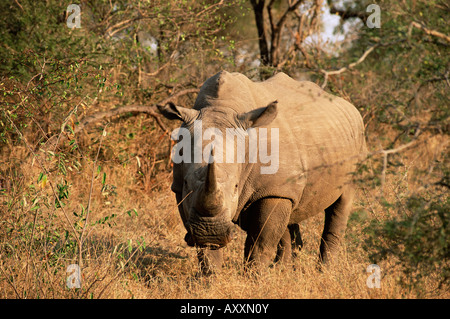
column 321, row 138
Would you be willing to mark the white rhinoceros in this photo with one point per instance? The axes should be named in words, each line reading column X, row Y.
column 315, row 141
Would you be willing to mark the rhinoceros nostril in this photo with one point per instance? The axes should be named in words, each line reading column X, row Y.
column 213, row 246
column 189, row 240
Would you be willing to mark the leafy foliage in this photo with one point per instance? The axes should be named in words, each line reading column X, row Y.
column 419, row 242
column 60, row 190
column 402, row 89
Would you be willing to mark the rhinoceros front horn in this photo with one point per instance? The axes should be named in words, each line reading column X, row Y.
column 211, row 197
column 211, row 179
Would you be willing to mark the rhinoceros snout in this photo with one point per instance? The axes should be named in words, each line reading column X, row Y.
column 209, row 234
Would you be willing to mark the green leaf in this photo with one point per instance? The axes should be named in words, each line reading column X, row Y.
column 132, row 210
column 130, row 246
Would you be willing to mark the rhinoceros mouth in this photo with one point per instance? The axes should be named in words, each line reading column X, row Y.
column 192, row 243
column 209, row 235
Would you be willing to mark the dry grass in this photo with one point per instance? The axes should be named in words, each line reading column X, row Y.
column 116, row 263
column 167, row 268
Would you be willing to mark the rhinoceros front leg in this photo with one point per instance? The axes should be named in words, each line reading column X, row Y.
column 336, row 217
column 210, row 261
column 266, row 226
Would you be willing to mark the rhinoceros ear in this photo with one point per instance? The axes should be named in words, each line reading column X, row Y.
column 259, row 117
column 173, row 112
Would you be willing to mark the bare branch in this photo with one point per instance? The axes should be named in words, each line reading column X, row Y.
column 277, row 29
column 171, row 58
column 269, row 10
column 210, row 7
column 345, row 68
column 348, row 13
column 385, row 153
column 151, row 110
column 20, row 6
column 429, row 31
column 88, row 207
column 10, row 282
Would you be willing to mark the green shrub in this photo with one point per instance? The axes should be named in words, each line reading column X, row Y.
column 418, row 242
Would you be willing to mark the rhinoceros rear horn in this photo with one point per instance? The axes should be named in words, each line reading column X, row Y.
column 173, row 112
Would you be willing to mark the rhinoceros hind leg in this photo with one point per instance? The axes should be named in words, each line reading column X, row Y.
column 336, row 217
column 284, row 251
column 296, row 239
column 290, row 244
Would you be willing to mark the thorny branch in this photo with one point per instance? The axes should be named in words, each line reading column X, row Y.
column 345, row 68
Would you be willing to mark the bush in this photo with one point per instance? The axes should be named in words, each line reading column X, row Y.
column 418, row 242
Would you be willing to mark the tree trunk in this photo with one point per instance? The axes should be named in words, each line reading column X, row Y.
column 258, row 9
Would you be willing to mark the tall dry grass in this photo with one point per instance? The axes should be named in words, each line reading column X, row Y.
column 140, row 252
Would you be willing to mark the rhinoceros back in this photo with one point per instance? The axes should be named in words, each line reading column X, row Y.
column 321, row 137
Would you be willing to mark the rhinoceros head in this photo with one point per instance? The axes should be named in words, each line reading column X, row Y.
column 210, row 190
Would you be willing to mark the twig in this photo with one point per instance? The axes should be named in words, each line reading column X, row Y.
column 135, row 251
column 210, row 7
column 63, row 125
column 429, row 31
column 29, row 248
column 45, row 170
column 10, row 282
column 345, row 68
column 374, row 214
column 17, row 2
column 82, row 239
column 49, row 182
column 120, row 271
column 169, row 62
column 277, row 28
column 385, row 153
column 151, row 110
column 119, row 27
